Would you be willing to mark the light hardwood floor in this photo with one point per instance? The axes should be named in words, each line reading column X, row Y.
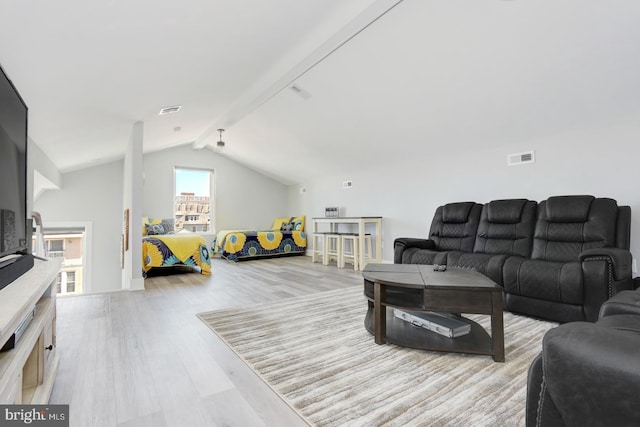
column 143, row 358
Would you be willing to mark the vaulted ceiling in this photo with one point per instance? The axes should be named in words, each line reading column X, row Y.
column 379, row 80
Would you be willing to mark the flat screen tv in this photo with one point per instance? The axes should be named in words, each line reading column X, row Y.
column 14, row 256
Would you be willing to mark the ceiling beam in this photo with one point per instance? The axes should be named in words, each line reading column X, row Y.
column 291, row 68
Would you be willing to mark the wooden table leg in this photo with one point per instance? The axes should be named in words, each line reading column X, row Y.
column 497, row 327
column 379, row 240
column 314, row 254
column 380, row 313
column 361, row 245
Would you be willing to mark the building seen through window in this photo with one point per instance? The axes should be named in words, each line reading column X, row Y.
column 193, row 200
column 66, row 244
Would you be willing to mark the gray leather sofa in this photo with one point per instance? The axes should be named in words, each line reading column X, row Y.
column 559, row 259
column 588, row 373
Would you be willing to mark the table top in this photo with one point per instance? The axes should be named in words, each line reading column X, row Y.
column 338, row 218
column 421, row 276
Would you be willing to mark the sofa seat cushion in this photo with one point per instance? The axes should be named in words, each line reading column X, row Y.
column 487, row 264
column 625, row 302
column 622, row 322
column 545, row 280
column 423, row 256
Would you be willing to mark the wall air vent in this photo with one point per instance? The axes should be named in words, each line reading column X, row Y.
column 521, row 158
column 170, row 110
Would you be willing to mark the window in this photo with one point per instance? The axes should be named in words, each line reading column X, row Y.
column 67, row 242
column 193, row 199
column 55, row 248
column 66, row 282
column 71, row 281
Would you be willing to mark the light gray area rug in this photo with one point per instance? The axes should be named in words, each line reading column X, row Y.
column 315, row 352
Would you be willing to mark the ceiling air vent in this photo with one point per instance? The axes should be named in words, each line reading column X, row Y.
column 300, row 91
column 521, row 158
column 169, row 110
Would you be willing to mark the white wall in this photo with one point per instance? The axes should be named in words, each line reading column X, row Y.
column 244, row 198
column 42, row 174
column 92, row 195
column 602, row 162
column 38, row 161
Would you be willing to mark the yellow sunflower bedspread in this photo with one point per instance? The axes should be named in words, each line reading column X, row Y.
column 241, row 244
column 175, row 249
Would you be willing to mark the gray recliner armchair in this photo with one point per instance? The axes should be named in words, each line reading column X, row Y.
column 588, row 374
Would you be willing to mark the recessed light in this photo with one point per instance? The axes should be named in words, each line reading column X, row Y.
column 170, row 110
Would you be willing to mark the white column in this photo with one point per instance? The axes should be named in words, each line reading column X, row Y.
column 132, row 200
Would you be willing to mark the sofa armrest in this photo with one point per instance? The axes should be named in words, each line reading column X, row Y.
column 412, row 242
column 540, row 409
column 403, row 243
column 620, row 259
column 605, row 272
column 534, row 386
column 591, row 371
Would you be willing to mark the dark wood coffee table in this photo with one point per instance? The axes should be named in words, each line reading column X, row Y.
column 417, row 288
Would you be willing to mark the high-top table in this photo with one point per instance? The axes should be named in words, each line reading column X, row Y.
column 419, row 288
column 361, row 222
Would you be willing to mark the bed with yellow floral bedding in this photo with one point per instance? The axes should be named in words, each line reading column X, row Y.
column 171, row 250
column 286, row 237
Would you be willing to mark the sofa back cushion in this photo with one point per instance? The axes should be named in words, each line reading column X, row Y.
column 568, row 225
column 506, row 227
column 454, row 226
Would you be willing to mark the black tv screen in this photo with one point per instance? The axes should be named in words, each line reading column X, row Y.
column 13, row 170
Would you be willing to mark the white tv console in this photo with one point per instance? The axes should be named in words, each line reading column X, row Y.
column 27, row 371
